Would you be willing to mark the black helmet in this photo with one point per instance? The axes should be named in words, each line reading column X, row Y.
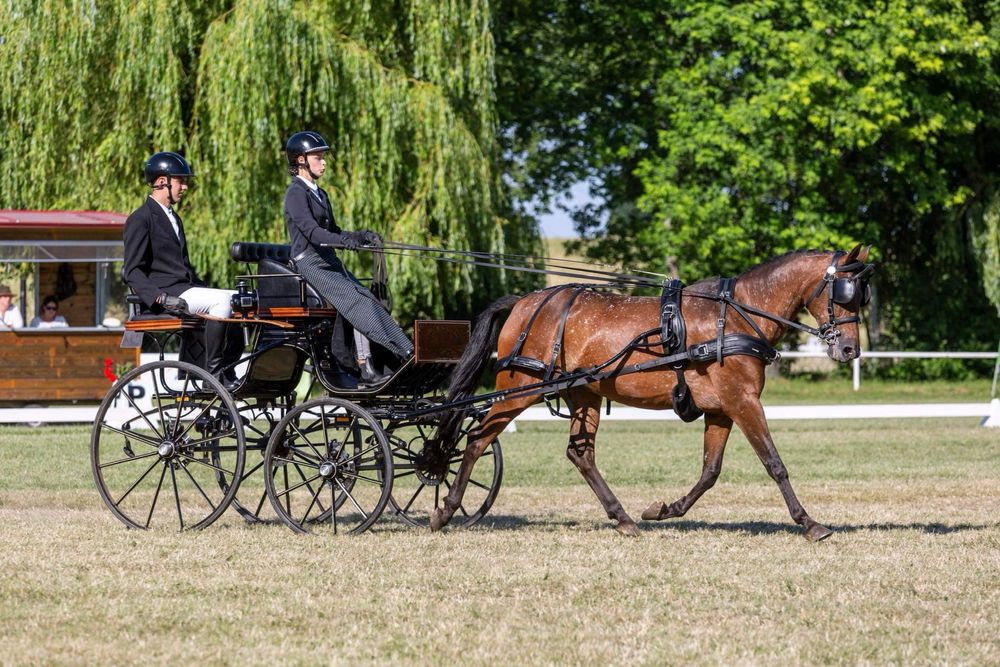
column 303, row 143
column 166, row 164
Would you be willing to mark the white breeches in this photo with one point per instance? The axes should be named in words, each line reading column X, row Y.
column 215, row 302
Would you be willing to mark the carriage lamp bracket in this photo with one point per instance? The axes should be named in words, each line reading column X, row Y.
column 245, row 301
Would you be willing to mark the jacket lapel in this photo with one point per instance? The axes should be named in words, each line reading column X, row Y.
column 163, row 222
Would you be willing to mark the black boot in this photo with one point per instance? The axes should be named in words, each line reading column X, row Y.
column 216, row 347
column 370, row 376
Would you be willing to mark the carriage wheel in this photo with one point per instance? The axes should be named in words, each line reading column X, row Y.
column 259, row 423
column 328, row 468
column 163, row 436
column 424, row 472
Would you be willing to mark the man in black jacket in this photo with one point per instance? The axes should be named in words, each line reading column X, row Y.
column 312, row 229
column 158, row 269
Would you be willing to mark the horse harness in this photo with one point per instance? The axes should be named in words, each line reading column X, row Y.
column 674, row 352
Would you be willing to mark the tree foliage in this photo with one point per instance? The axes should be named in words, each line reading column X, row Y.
column 404, row 93
column 753, row 128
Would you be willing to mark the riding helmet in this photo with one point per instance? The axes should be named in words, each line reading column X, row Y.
column 167, row 164
column 303, row 143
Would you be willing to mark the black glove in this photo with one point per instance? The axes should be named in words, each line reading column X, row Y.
column 173, row 304
column 350, row 240
column 371, row 238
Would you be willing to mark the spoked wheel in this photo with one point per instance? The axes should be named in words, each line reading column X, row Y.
column 164, row 435
column 328, row 468
column 259, row 422
column 425, row 469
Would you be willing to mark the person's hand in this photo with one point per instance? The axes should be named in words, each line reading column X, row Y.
column 350, row 241
column 173, row 304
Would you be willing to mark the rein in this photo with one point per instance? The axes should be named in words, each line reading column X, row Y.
column 583, row 270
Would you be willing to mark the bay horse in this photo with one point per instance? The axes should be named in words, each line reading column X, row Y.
column 597, row 326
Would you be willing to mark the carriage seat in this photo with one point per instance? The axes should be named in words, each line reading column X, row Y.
column 279, row 286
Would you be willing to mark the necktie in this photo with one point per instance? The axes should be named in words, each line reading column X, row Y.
column 173, row 223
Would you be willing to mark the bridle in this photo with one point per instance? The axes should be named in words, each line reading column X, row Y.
column 851, row 292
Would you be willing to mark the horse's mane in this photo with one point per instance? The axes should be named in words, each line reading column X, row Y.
column 767, row 263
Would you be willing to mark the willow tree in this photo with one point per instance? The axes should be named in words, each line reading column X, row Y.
column 402, row 91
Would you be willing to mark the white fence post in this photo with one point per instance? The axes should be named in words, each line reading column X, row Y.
column 856, row 373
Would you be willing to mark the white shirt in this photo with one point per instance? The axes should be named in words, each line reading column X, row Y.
column 173, row 219
column 59, row 321
column 12, row 317
column 313, row 187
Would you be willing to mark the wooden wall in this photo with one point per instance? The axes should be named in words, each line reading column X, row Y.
column 45, row 365
column 79, row 308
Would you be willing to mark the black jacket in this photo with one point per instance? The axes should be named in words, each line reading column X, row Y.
column 155, row 260
column 310, row 218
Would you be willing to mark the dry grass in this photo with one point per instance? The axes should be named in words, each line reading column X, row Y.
column 912, row 574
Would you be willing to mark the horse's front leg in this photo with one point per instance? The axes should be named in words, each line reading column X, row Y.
column 586, row 416
column 749, row 416
column 717, row 430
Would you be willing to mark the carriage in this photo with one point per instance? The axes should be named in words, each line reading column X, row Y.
column 169, row 439
column 334, row 463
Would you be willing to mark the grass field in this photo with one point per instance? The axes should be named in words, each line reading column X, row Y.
column 911, row 575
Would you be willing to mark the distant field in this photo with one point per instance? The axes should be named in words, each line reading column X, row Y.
column 911, row 575
column 555, row 248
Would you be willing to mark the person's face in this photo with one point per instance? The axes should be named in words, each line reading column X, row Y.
column 316, row 163
column 49, row 311
column 4, row 302
column 178, row 186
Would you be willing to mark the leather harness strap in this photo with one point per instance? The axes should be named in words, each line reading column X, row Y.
column 529, row 363
column 727, row 287
column 557, row 346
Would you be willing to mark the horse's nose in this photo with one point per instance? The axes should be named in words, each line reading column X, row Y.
column 849, row 353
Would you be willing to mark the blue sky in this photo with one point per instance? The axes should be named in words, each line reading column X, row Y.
column 558, row 224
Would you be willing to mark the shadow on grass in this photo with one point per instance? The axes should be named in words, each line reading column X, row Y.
column 770, row 527
column 509, row 522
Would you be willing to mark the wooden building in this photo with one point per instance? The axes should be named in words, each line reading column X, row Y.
column 75, row 256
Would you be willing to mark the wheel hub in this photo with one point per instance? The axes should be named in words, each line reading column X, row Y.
column 328, row 469
column 167, row 449
column 431, row 466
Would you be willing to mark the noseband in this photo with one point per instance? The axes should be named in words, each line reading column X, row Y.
column 851, row 293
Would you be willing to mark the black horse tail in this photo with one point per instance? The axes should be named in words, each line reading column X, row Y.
column 465, row 377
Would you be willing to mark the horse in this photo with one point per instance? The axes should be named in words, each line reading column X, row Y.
column 597, row 326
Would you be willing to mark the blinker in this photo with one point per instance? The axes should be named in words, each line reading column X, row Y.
column 845, row 290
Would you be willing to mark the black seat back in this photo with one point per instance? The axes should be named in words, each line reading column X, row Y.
column 280, row 285
column 277, row 291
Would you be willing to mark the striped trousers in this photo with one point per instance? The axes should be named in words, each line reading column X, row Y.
column 331, row 279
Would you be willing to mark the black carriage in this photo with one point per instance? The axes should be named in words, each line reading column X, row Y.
column 170, row 442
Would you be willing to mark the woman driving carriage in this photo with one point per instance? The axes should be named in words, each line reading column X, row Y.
column 311, row 230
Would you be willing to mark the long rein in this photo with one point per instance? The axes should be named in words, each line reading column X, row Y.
column 583, row 270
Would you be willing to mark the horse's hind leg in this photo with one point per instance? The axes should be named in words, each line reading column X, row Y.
column 494, row 423
column 717, row 430
column 586, row 410
column 750, row 418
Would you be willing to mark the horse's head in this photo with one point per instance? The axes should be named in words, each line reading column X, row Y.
column 837, row 299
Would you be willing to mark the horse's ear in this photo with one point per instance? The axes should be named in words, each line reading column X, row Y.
column 863, row 255
column 853, row 255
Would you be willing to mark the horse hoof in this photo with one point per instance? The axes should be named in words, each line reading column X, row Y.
column 628, row 529
column 654, row 512
column 437, row 521
column 818, row 532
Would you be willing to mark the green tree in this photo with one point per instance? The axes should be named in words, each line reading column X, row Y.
column 404, row 93
column 722, row 133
